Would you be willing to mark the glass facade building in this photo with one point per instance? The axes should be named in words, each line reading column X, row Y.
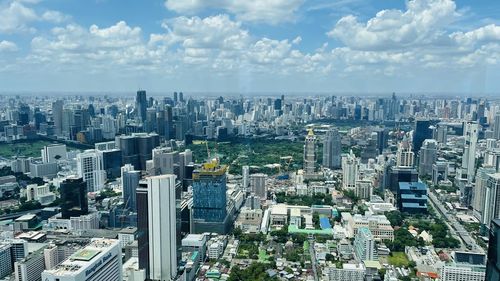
column 74, row 198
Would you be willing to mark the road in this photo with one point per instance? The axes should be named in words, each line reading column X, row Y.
column 314, row 264
column 456, row 228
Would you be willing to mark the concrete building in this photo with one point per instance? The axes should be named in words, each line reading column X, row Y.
column 54, row 152
column 31, row 267
column 364, row 245
column 246, row 177
column 40, row 193
column 332, row 149
column 90, row 168
column 99, row 260
column 363, row 189
column 349, row 171
column 492, row 200
column 5, row 260
column 196, row 242
column 440, row 172
column 428, row 156
column 258, row 185
column 348, row 272
column 468, row 169
column 41, row 170
column 310, row 154
column 405, row 157
column 379, row 225
column 162, row 223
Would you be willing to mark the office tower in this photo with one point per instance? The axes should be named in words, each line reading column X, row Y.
column 442, row 133
column 165, row 160
column 246, row 177
column 471, row 131
column 137, row 148
column 332, row 149
column 210, row 199
column 412, row 197
column 405, row 156
column 428, row 156
column 310, row 153
column 141, row 105
column 439, row 172
column 496, row 127
column 74, row 201
column 57, row 116
column 422, row 132
column 142, row 226
column 364, row 245
column 130, row 182
column 382, row 139
column 23, row 115
column 181, row 97
column 31, row 267
column 483, row 174
column 111, row 162
column 52, row 153
column 150, row 125
column 493, row 261
column 176, row 98
column 90, row 167
column 258, row 185
column 349, row 171
column 5, row 260
column 99, row 260
column 162, row 220
column 491, row 200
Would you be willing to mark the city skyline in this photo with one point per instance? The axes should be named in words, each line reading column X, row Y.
column 349, row 46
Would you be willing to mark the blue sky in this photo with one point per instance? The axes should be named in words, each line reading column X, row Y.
column 286, row 46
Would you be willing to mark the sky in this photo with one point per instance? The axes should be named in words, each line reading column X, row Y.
column 260, row 46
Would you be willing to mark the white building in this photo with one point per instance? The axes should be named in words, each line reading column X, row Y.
column 461, row 273
column 349, row 171
column 379, row 225
column 99, row 260
column 471, row 132
column 258, row 185
column 364, row 245
column 348, row 272
column 246, row 177
column 90, row 167
column 195, row 242
column 52, row 153
column 162, row 227
column 40, row 193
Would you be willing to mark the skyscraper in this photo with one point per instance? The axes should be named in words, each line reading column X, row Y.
column 422, row 132
column 137, row 148
column 74, row 201
column 310, row 153
column 332, row 149
column 209, row 199
column 471, row 131
column 405, row 156
column 162, row 221
column 428, row 156
column 496, row 128
column 491, row 209
column 141, row 104
column 57, row 116
column 246, row 177
column 90, row 167
column 142, row 226
column 349, row 171
column 364, row 245
column 258, row 185
column 493, row 262
column 130, row 182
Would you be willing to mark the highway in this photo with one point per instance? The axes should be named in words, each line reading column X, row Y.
column 314, row 263
column 456, row 228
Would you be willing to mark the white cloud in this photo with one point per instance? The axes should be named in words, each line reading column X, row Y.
column 268, row 11
column 421, row 24
column 7, row 46
column 16, row 17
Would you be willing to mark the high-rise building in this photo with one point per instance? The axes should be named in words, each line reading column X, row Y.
column 349, row 171
column 405, row 156
column 99, row 260
column 493, row 261
column 31, row 267
column 364, row 245
column 246, row 177
column 442, row 133
column 428, row 156
column 74, row 201
column 423, row 130
column 141, row 104
column 142, row 226
column 258, row 185
column 471, row 132
column 332, row 149
column 479, row 193
column 162, row 221
column 310, row 153
column 210, row 199
column 137, row 148
column 90, row 167
column 496, row 127
column 52, row 153
column 130, row 182
column 491, row 200
column 57, row 116
column 5, row 260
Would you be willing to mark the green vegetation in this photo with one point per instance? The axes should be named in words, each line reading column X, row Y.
column 27, row 148
column 398, row 259
column 255, row 272
column 304, row 200
column 248, row 250
column 395, row 217
column 403, row 238
column 252, row 152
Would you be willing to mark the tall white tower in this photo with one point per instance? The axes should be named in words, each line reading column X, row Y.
column 162, row 227
column 90, row 167
column 471, row 131
column 349, row 171
column 310, row 153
